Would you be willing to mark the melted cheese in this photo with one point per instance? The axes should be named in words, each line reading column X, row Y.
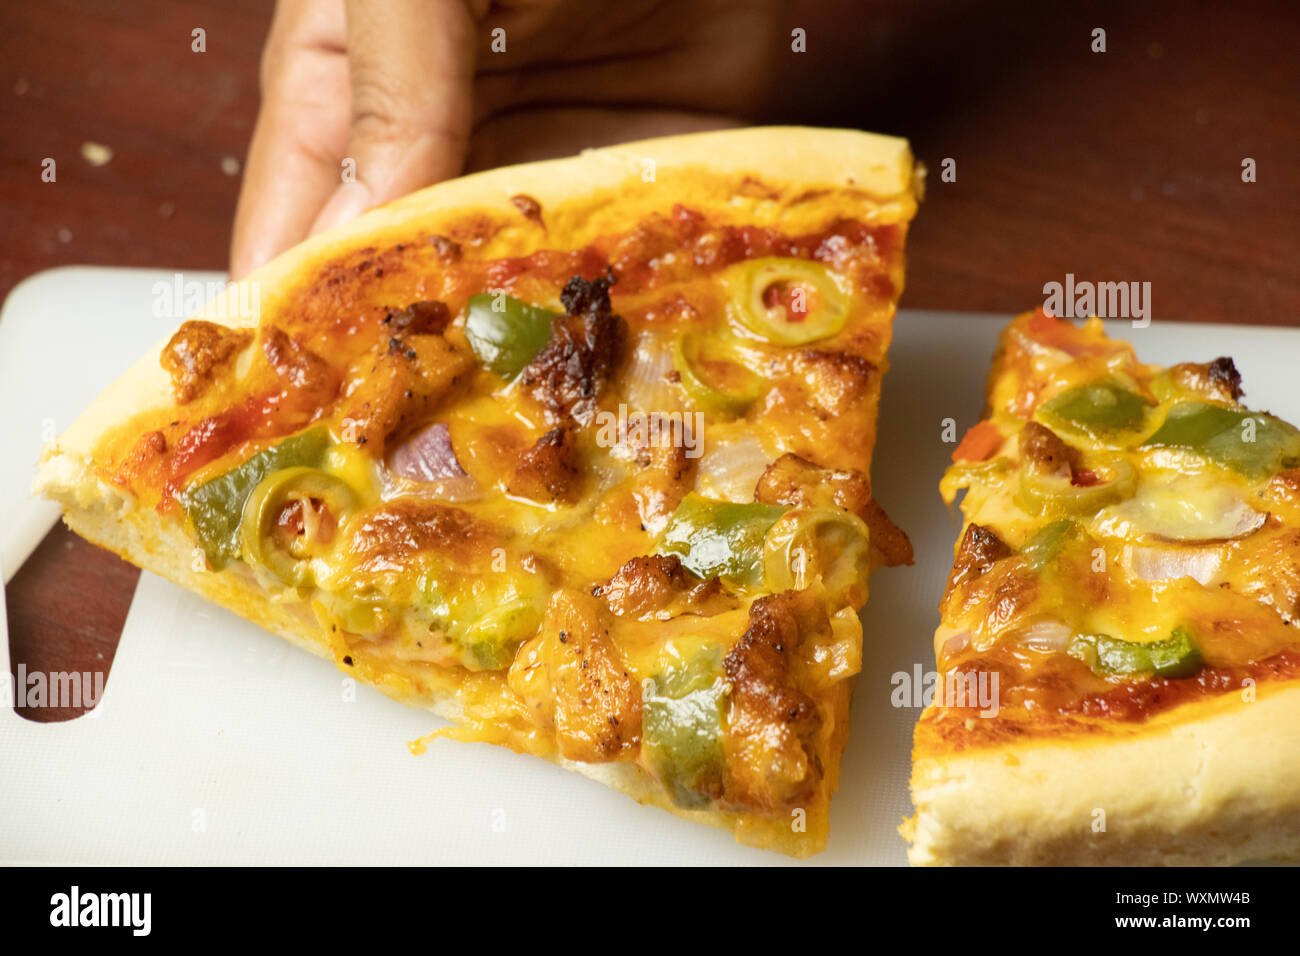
column 1196, row 547
column 423, row 580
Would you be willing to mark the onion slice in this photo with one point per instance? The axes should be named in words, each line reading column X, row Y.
column 730, row 469
column 1187, row 509
column 1048, row 636
column 426, row 465
column 1154, row 563
column 954, row 644
column 427, row 455
column 648, row 381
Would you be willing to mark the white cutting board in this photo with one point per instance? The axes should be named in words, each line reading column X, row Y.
column 218, row 743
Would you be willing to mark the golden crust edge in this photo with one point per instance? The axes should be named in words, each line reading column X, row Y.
column 879, row 165
column 1216, row 782
column 107, row 517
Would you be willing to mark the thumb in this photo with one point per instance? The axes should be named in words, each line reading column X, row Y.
column 411, row 71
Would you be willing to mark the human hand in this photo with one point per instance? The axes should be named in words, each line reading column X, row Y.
column 412, row 92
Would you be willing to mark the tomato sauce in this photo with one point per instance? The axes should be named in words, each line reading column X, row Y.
column 343, row 307
column 1067, row 711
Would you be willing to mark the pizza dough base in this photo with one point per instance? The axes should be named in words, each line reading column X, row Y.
column 1214, row 782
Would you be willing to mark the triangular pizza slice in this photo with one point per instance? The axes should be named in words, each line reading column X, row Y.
column 573, row 453
column 1118, row 653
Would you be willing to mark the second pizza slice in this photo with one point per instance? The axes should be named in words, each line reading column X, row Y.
column 573, row 453
column 1119, row 651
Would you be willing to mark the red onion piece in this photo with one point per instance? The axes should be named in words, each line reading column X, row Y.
column 427, row 455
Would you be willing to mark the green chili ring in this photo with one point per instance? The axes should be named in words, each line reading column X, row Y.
column 1055, row 493
column 826, row 543
column 263, row 543
column 733, row 401
column 821, row 319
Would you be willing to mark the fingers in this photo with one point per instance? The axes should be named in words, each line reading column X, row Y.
column 298, row 141
column 411, row 67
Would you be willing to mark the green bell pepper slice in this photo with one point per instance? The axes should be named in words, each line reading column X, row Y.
column 506, row 333
column 682, row 725
column 1175, row 656
column 1097, row 409
column 720, row 538
column 216, row 507
column 1222, row 435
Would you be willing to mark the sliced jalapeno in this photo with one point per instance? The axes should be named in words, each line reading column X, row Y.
column 1110, row 479
column 967, row 474
column 216, row 507
column 818, row 543
column 291, row 517
column 484, row 619
column 360, row 615
column 493, row 639
column 715, row 383
column 788, row 301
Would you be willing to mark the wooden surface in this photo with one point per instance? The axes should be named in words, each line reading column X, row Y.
column 1124, row 165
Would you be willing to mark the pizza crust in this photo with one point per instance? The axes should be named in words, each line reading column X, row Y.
column 1215, row 782
column 712, row 169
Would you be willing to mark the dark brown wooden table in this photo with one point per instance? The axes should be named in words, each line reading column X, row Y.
column 1123, row 165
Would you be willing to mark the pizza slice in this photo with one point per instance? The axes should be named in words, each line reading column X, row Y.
column 574, row 454
column 1118, row 656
